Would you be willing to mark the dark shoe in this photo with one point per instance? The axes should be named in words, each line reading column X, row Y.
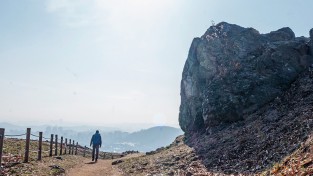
column 93, row 159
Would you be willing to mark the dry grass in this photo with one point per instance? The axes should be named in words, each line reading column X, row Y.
column 16, row 148
column 13, row 156
column 42, row 167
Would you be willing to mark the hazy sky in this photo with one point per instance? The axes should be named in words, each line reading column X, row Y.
column 114, row 61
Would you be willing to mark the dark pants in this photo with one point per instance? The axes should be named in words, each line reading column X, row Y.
column 95, row 150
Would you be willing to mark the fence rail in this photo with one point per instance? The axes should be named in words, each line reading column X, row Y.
column 53, row 145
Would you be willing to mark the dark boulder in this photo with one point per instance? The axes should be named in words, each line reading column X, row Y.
column 232, row 71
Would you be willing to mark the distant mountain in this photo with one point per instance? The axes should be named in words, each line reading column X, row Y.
column 12, row 129
column 8, row 125
column 152, row 138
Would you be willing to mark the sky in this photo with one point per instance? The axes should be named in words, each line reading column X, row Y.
column 104, row 62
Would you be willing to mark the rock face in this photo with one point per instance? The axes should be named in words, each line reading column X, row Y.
column 311, row 42
column 232, row 71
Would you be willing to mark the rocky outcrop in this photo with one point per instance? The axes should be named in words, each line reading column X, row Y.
column 232, row 71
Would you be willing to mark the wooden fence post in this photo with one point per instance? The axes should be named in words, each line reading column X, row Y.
column 27, row 145
column 65, row 146
column 40, row 146
column 51, row 145
column 84, row 154
column 1, row 142
column 69, row 147
column 73, row 147
column 56, row 145
column 76, row 148
column 61, row 146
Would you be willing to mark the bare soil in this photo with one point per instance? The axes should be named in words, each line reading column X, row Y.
column 99, row 168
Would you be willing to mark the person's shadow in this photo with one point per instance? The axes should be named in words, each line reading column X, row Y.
column 91, row 162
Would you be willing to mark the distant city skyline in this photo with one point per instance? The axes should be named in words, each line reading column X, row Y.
column 101, row 62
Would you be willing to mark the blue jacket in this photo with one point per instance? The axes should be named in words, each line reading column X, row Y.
column 96, row 139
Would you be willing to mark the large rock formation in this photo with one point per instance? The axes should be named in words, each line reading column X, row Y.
column 232, row 71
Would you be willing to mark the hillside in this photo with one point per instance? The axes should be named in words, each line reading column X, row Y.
column 180, row 159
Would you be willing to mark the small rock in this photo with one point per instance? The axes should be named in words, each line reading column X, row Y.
column 58, row 157
column 117, row 162
column 188, row 174
column 57, row 167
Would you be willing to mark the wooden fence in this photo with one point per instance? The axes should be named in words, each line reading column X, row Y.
column 65, row 148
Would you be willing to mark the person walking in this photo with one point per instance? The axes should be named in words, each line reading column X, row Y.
column 96, row 142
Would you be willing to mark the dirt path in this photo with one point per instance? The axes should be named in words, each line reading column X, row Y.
column 101, row 168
